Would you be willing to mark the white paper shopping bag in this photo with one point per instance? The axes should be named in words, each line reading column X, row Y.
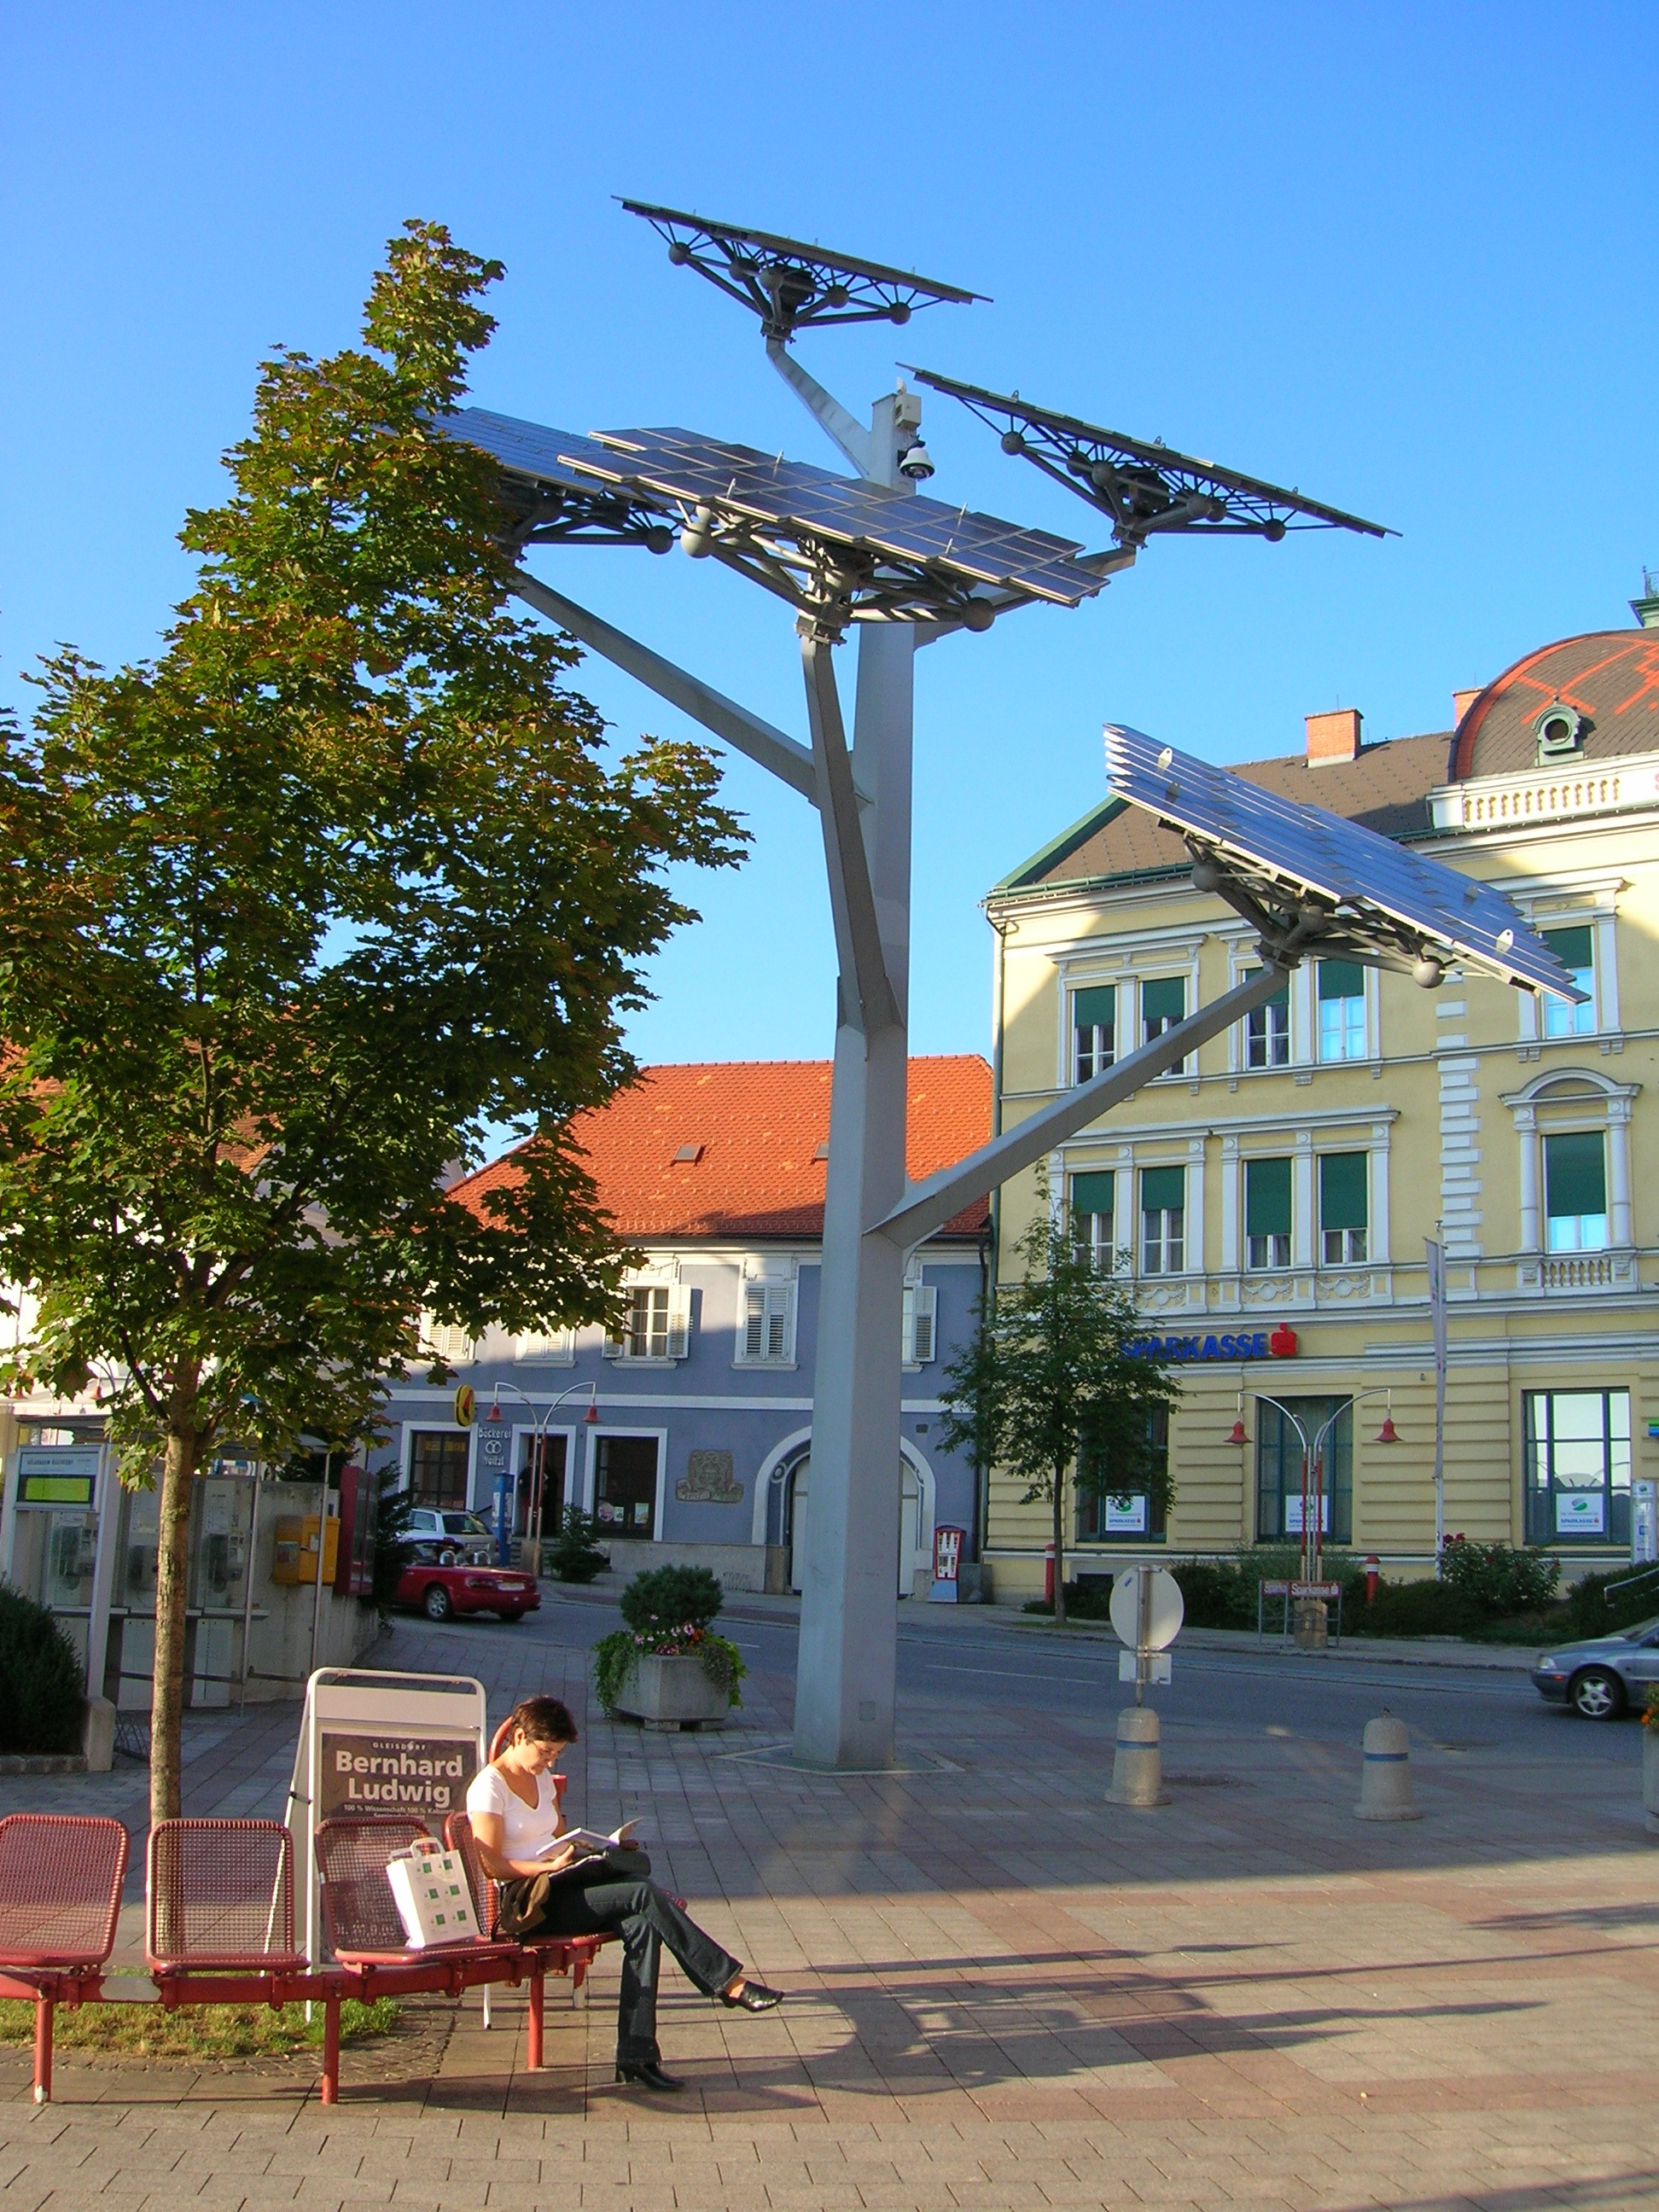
column 429, row 1889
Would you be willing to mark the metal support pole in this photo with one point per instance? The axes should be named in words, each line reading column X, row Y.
column 844, row 1697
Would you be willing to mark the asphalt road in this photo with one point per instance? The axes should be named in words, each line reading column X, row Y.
column 1222, row 1702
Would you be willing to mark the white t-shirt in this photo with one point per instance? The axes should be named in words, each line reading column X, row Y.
column 523, row 1831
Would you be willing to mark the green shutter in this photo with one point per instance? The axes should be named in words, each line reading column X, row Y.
column 1573, row 948
column 1341, row 979
column 1095, row 1009
column 1575, row 1174
column 1164, row 999
column 1093, row 1194
column 1342, row 1198
column 1268, row 1198
column 1163, row 1190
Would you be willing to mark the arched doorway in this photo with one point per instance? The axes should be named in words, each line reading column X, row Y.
column 915, row 1547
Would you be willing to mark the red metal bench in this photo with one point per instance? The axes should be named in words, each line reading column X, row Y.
column 366, row 1934
column 60, row 1897
column 559, row 1954
column 219, row 1922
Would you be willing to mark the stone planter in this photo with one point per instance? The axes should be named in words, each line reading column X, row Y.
column 1651, row 1777
column 673, row 1693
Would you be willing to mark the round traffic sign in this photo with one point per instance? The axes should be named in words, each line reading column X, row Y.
column 1165, row 1609
column 466, row 1405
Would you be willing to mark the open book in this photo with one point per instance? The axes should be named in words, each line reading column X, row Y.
column 587, row 1842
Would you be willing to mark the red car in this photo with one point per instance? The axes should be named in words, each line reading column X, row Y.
column 441, row 1588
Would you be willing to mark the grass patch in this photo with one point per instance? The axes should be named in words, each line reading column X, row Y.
column 145, row 2031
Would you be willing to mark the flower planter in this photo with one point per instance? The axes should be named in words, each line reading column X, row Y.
column 673, row 1692
column 1650, row 1777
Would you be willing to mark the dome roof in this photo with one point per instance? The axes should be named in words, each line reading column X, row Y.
column 1609, row 681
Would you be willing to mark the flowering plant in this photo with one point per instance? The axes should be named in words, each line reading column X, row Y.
column 668, row 1611
column 1650, row 1711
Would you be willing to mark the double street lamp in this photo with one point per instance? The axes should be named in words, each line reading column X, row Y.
column 533, row 1544
column 1313, row 1465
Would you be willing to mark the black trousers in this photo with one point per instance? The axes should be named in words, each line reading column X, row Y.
column 646, row 1918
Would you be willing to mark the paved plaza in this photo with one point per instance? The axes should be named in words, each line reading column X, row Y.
column 1002, row 1991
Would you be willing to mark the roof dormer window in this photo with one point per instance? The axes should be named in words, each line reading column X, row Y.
column 1560, row 733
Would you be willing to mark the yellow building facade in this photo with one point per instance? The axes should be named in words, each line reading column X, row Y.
column 1272, row 1197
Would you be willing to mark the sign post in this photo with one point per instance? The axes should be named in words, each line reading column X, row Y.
column 381, row 1743
column 1436, row 1254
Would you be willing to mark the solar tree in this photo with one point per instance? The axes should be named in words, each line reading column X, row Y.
column 871, row 554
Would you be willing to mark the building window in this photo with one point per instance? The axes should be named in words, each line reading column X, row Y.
column 1278, row 1451
column 1577, row 1446
column 625, row 1487
column 1341, row 991
column 768, row 1312
column 1268, row 1029
column 449, row 1344
column 1094, row 1030
column 438, row 1463
column 1576, row 949
column 1108, row 1516
column 1092, row 1200
column 1163, row 1220
column 656, row 1323
column 1575, row 1192
column 1267, row 1214
column 555, row 1347
column 1163, row 1005
column 1344, row 1208
column 921, row 1323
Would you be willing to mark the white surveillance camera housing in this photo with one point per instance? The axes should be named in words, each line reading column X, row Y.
column 916, row 463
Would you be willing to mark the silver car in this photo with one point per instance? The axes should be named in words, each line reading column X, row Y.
column 1602, row 1675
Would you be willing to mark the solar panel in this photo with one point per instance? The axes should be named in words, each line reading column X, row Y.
column 787, row 283
column 795, row 497
column 1144, row 487
column 1368, row 893
column 549, row 498
column 917, row 558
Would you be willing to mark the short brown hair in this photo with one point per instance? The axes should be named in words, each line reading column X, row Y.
column 542, row 1719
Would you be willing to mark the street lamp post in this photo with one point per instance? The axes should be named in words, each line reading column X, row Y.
column 1313, row 1468
column 532, row 1545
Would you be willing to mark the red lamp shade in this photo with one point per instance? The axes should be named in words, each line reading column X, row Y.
column 1236, row 1434
column 1388, row 1434
column 592, row 1416
column 495, row 1412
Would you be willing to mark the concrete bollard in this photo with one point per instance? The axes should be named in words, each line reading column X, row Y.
column 1385, row 1781
column 1138, row 1766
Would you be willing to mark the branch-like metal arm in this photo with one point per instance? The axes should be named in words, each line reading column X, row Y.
column 843, row 429
column 930, row 1204
column 770, row 748
column 852, row 899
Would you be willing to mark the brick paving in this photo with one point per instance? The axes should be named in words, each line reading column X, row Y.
column 1002, row 1991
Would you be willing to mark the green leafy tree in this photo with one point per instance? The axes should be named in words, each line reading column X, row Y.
column 1050, row 1388
column 295, row 913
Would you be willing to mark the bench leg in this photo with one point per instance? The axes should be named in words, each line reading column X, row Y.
column 42, row 2012
column 579, row 1985
column 533, row 2037
column 330, row 2092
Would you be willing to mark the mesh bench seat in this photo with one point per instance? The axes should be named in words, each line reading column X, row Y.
column 61, row 1875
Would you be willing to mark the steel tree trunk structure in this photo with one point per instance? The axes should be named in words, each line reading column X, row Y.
column 848, row 551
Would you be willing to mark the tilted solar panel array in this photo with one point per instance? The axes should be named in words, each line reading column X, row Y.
column 1337, row 859
column 671, row 469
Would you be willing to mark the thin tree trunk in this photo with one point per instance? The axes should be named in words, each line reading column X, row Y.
column 1059, row 1545
column 178, row 1465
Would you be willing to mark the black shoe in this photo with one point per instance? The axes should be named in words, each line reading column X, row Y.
column 754, row 1996
column 649, row 2075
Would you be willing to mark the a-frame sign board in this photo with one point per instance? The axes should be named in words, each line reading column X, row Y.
column 379, row 1743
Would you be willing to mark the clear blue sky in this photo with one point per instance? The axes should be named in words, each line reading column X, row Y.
column 1402, row 257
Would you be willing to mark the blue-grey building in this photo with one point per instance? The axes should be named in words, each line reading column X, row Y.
column 688, row 1436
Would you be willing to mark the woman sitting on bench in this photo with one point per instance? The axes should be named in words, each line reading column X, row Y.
column 552, row 1889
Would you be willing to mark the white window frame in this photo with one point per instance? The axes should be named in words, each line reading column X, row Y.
column 1366, row 1003
column 675, row 1334
column 1186, row 978
column 775, row 1301
column 545, row 1348
column 1593, row 904
column 1348, row 1254
column 921, row 1323
column 1607, row 1109
column 447, row 1341
column 1073, row 989
column 591, row 1474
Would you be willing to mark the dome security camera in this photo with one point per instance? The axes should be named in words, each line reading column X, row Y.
column 916, row 463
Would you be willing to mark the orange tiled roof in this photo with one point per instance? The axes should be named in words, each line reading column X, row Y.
column 759, row 1124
